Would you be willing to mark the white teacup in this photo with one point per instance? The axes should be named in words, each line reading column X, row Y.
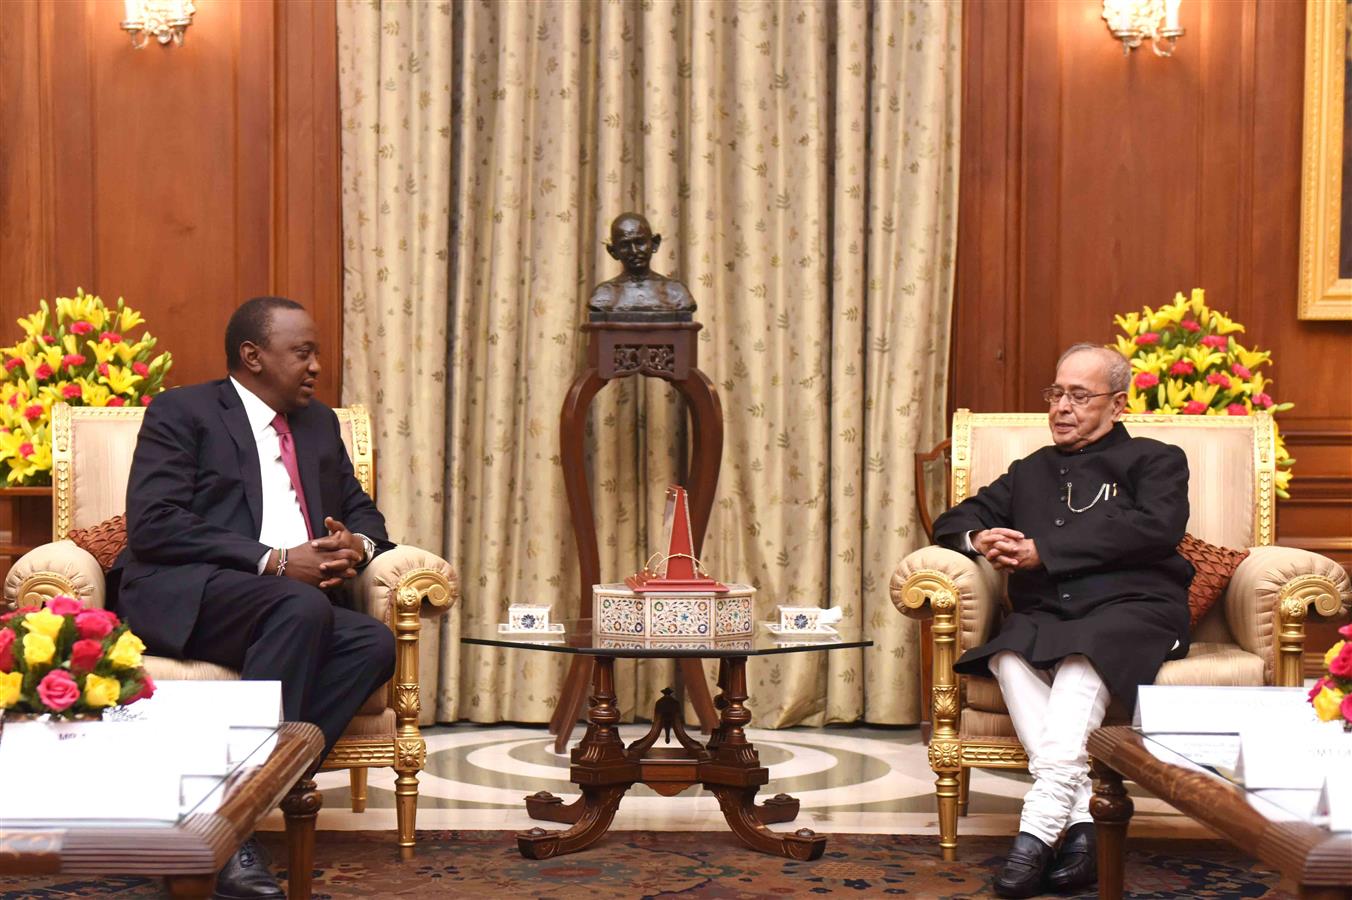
column 528, row 618
column 800, row 618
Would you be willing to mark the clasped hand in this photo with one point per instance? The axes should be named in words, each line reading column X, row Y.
column 1007, row 549
column 328, row 561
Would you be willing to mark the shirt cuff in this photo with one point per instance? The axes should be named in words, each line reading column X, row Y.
column 967, row 541
column 263, row 561
column 367, row 548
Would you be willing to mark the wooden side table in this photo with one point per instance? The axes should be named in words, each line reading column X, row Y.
column 668, row 351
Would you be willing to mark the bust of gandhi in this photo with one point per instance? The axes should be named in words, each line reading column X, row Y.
column 638, row 294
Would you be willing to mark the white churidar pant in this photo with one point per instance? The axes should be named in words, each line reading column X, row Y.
column 1053, row 711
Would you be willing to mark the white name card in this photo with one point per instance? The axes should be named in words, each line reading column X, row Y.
column 241, row 704
column 1292, row 757
column 1186, row 709
column 1335, row 801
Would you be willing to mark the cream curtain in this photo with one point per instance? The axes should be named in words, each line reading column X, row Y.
column 800, row 160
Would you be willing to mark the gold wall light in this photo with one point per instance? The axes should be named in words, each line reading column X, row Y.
column 164, row 20
column 1132, row 21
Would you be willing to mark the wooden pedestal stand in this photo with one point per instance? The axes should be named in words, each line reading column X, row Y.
column 728, row 765
column 664, row 350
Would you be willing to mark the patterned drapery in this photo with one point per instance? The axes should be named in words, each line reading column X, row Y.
column 800, row 160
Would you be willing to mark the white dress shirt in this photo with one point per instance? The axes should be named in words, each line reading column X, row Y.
column 283, row 522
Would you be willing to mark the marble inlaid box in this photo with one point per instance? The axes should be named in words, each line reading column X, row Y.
column 619, row 612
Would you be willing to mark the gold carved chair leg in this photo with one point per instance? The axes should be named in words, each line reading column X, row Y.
column 358, row 777
column 410, row 750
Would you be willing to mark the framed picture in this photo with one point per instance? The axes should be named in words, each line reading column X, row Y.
column 1326, row 165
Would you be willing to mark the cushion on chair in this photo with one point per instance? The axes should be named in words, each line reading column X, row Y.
column 163, row 668
column 103, row 541
column 1214, row 665
column 1213, row 567
column 975, row 723
column 984, row 694
column 371, row 726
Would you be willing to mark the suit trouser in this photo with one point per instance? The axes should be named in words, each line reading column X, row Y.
column 1053, row 712
column 328, row 659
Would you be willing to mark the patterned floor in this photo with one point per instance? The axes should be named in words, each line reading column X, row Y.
column 849, row 780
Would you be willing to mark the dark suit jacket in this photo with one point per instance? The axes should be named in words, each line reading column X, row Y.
column 195, row 503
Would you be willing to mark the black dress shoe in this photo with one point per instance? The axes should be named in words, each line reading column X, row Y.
column 1022, row 873
column 1076, row 863
column 245, row 876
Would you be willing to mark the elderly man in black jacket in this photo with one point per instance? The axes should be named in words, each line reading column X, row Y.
column 242, row 512
column 1087, row 530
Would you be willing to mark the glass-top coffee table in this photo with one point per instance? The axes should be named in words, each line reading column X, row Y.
column 604, row 768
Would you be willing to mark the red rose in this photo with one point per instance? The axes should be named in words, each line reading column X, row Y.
column 1193, row 408
column 21, row 611
column 1218, row 378
column 147, row 690
column 94, row 624
column 43, row 372
column 33, row 412
column 1150, row 337
column 13, row 403
column 1241, row 371
column 1341, row 665
column 58, row 690
column 72, row 392
column 7, row 637
column 1182, row 367
column 1146, row 380
column 1237, row 409
column 62, row 605
column 1190, row 325
column 26, row 449
column 12, row 364
column 1346, row 708
column 1345, row 631
column 145, row 401
column 111, row 337
column 81, row 328
column 103, row 369
column 71, row 360
column 49, row 339
column 1318, row 686
column 1262, row 400
column 140, row 368
column 85, row 655
column 1218, row 341
column 116, row 401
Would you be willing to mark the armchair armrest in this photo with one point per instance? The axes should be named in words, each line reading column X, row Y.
column 56, row 568
column 1269, row 597
column 432, row 581
column 935, row 580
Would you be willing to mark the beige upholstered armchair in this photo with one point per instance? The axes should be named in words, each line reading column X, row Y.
column 1253, row 636
column 92, row 451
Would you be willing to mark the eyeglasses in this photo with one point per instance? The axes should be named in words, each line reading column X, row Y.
column 1078, row 397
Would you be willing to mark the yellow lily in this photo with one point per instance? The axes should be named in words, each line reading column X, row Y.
column 1197, row 301
column 102, row 352
column 1153, row 362
column 120, row 380
column 35, row 324
column 1224, row 324
column 128, row 318
column 128, row 352
column 82, row 308
column 1204, row 357
column 1178, row 391
column 1204, row 393
column 1128, row 323
column 1257, row 384
column 1251, row 359
column 1136, row 403
column 40, row 460
column 1125, row 345
column 1166, row 316
column 96, row 395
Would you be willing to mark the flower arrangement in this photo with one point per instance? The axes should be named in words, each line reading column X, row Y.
column 1331, row 695
column 66, row 660
column 1185, row 360
column 83, row 356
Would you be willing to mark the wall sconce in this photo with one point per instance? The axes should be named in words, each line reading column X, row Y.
column 1132, row 21
column 165, row 20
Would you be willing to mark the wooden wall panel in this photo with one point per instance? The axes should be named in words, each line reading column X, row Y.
column 1094, row 183
column 184, row 179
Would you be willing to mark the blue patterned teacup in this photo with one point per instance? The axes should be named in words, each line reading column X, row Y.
column 799, row 618
column 528, row 618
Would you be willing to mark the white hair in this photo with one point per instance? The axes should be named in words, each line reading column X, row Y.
column 1116, row 369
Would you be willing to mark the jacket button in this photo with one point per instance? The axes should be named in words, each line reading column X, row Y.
column 1060, row 522
column 1065, row 596
column 1064, row 470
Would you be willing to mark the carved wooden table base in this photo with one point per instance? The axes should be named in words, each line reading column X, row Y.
column 728, row 765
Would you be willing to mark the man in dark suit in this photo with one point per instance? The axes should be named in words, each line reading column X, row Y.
column 242, row 512
column 1087, row 529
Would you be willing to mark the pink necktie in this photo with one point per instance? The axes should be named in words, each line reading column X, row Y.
column 288, row 446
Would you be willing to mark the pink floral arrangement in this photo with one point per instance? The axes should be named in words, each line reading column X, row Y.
column 1331, row 695
column 65, row 660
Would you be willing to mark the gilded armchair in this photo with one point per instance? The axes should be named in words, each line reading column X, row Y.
column 91, row 462
column 1253, row 636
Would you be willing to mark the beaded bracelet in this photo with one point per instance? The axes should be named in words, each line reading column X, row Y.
column 281, row 561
